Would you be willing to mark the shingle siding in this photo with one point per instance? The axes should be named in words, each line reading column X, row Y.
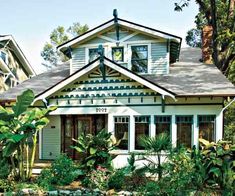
column 159, row 61
column 78, row 58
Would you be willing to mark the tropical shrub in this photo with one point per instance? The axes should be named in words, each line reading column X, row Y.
column 95, row 150
column 62, row 172
column 6, row 185
column 97, row 178
column 117, row 179
column 155, row 146
column 4, row 168
column 19, row 127
column 218, row 159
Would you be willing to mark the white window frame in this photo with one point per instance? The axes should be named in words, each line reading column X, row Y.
column 149, row 56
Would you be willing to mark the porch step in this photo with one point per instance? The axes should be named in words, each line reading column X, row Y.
column 39, row 166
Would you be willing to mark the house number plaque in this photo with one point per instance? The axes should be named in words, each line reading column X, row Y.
column 101, row 110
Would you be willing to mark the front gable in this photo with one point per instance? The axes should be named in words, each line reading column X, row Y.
column 88, row 87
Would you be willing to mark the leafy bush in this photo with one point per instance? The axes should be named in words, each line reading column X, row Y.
column 95, row 150
column 62, row 172
column 6, row 185
column 4, row 168
column 97, row 178
column 117, row 180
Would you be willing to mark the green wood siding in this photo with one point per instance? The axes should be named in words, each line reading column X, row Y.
column 78, row 58
column 159, row 60
column 51, row 137
column 140, row 37
column 96, row 40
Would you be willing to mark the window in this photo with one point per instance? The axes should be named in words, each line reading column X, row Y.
column 163, row 124
column 139, row 59
column 3, row 56
column 206, row 125
column 121, row 132
column 184, row 130
column 141, row 129
column 93, row 54
column 117, row 54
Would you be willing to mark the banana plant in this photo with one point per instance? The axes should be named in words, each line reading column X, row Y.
column 19, row 127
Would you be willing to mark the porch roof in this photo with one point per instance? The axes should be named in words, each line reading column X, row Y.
column 186, row 78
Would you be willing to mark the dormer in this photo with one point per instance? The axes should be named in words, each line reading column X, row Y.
column 141, row 49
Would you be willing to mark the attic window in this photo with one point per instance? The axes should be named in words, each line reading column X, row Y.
column 139, row 59
column 93, row 54
column 117, row 54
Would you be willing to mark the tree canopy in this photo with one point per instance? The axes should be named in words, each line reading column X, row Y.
column 58, row 36
column 220, row 15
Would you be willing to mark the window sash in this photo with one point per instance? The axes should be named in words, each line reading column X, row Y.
column 121, row 55
column 139, row 58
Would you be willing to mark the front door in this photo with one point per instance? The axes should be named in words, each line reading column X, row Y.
column 74, row 126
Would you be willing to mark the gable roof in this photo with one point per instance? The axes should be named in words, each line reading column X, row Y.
column 18, row 52
column 111, row 64
column 188, row 77
column 175, row 41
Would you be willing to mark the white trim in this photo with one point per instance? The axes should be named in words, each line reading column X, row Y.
column 67, row 81
column 107, row 38
column 111, row 65
column 82, row 37
column 128, row 37
column 122, row 23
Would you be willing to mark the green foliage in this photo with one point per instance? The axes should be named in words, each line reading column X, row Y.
column 6, row 185
column 155, row 145
column 19, row 128
column 58, row 36
column 95, row 150
column 117, row 179
column 193, row 38
column 62, row 172
column 229, row 124
column 97, row 178
column 4, row 168
column 45, row 178
column 219, row 163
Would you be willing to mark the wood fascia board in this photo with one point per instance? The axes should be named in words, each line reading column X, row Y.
column 67, row 81
column 138, row 79
column 81, row 38
column 147, row 31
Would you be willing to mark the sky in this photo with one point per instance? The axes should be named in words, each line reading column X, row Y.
column 31, row 21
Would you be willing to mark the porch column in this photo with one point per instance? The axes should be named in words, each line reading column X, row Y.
column 132, row 133
column 152, row 127
column 173, row 131
column 219, row 127
column 40, row 144
column 195, row 131
column 110, row 124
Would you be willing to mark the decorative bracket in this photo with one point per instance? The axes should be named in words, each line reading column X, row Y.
column 115, row 15
column 102, row 65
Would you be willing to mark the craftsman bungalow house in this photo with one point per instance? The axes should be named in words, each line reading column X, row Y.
column 128, row 79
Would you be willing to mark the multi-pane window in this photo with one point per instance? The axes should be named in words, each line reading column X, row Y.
column 141, row 129
column 184, row 130
column 139, row 59
column 93, row 54
column 117, row 54
column 163, row 125
column 206, row 125
column 121, row 132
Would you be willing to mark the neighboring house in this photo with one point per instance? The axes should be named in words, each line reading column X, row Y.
column 131, row 86
column 14, row 67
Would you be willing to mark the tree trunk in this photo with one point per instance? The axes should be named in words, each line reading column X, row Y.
column 159, row 167
column 27, row 159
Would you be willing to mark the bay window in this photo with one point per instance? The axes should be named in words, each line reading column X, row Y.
column 184, row 130
column 141, row 129
column 121, row 132
column 206, row 124
column 139, row 59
